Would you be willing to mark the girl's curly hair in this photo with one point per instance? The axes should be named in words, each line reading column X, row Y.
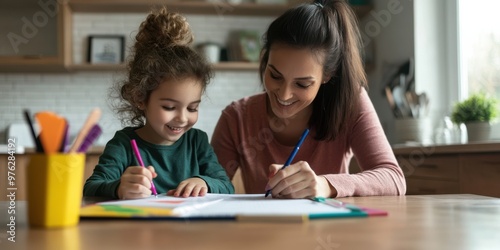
column 161, row 52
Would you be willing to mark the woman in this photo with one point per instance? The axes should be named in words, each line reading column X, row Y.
column 313, row 78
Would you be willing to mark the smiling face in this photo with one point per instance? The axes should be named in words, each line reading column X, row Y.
column 172, row 109
column 292, row 79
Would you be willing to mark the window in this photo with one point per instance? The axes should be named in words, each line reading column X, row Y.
column 479, row 46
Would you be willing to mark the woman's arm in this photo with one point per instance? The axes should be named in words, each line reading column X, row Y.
column 381, row 174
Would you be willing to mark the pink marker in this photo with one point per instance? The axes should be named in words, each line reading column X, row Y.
column 139, row 159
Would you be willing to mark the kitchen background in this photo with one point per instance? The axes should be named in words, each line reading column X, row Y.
column 73, row 95
column 389, row 29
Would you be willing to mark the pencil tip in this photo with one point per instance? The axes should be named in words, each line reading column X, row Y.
column 267, row 193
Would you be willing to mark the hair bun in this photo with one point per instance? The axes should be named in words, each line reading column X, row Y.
column 163, row 29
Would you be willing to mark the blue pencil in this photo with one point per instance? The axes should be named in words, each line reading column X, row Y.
column 292, row 155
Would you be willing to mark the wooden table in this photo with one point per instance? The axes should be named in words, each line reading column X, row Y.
column 414, row 222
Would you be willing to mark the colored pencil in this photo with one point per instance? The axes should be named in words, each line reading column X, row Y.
column 139, row 159
column 292, row 155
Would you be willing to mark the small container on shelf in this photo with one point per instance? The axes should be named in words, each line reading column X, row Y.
column 210, row 50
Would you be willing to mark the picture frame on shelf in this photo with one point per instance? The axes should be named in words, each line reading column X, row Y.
column 106, row 49
column 245, row 45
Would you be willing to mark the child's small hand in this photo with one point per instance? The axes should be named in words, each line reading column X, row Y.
column 190, row 187
column 136, row 182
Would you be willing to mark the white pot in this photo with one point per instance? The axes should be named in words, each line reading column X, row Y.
column 414, row 130
column 210, row 51
column 478, row 131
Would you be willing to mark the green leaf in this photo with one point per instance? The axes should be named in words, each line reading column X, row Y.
column 477, row 108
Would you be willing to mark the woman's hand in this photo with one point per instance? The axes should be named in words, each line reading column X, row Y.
column 298, row 181
column 136, row 182
column 190, row 187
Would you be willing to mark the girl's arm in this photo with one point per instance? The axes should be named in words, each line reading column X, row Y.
column 105, row 179
column 210, row 169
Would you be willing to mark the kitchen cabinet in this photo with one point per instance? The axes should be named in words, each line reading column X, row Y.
column 34, row 36
column 451, row 169
column 436, row 174
column 186, row 7
column 16, row 185
column 50, row 45
column 480, row 174
column 193, row 7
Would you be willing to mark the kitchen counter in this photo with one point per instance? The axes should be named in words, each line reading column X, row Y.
column 472, row 168
column 478, row 147
column 94, row 150
column 21, row 162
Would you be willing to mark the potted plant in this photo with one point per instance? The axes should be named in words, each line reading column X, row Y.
column 476, row 112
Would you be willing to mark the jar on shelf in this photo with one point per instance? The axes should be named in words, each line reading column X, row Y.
column 449, row 133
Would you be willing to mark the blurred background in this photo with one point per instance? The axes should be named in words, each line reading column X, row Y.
column 421, row 56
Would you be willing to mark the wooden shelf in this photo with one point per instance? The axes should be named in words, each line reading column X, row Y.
column 31, row 64
column 186, row 7
column 96, row 67
column 62, row 61
column 191, row 7
column 119, row 67
column 236, row 66
column 217, row 66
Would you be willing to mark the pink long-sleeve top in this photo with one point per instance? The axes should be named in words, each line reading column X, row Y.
column 243, row 139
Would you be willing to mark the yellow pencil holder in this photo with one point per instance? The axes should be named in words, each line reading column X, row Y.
column 55, row 186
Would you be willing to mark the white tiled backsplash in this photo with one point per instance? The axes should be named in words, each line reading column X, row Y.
column 73, row 95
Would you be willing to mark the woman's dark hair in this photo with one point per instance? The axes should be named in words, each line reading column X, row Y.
column 329, row 29
column 161, row 52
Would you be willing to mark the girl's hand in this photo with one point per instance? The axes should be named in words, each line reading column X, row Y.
column 298, row 181
column 136, row 182
column 190, row 187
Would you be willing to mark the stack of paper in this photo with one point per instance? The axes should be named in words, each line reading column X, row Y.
column 222, row 206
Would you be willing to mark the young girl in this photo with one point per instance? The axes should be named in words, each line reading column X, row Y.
column 160, row 97
column 313, row 77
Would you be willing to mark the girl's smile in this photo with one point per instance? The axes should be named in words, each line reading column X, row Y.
column 172, row 109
